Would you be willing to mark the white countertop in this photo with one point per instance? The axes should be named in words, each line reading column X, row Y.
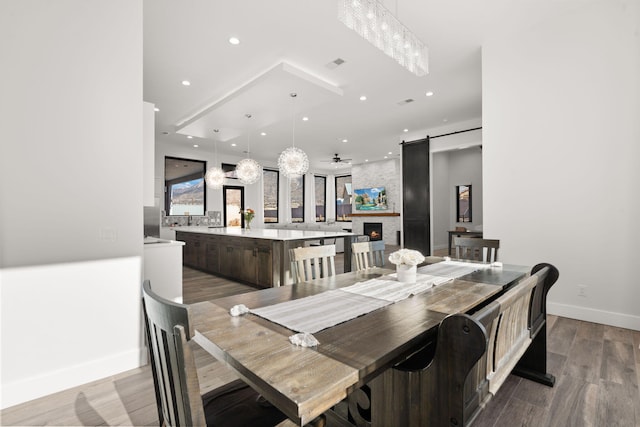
column 154, row 242
column 266, row 233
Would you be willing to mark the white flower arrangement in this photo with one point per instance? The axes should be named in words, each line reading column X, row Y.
column 406, row 257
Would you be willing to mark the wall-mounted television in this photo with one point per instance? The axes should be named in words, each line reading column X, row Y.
column 370, row 199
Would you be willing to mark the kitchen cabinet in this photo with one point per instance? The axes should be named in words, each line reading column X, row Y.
column 241, row 258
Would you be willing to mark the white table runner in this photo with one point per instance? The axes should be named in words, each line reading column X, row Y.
column 391, row 290
column 317, row 312
column 451, row 269
column 321, row 311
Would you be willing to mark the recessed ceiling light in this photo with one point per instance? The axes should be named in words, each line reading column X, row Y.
column 429, row 93
column 345, row 140
column 389, row 152
column 234, row 40
column 263, row 133
column 406, row 130
column 363, row 98
column 156, row 109
column 366, row 160
column 186, row 83
column 305, row 119
column 195, row 145
column 385, row 157
column 233, row 145
column 189, row 136
column 445, row 120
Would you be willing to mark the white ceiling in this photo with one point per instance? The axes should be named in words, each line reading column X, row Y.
column 284, row 47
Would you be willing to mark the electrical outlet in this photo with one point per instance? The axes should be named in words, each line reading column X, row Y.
column 582, row 291
column 107, row 234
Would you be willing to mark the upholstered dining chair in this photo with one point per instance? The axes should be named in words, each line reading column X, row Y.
column 476, row 249
column 313, row 262
column 377, row 253
column 175, row 377
column 368, row 254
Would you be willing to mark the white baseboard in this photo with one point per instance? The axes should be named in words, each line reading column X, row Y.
column 610, row 318
column 52, row 382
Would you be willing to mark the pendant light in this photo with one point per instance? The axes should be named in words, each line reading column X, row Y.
column 293, row 162
column 215, row 175
column 248, row 170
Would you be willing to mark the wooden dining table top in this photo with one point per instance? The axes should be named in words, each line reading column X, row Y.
column 305, row 382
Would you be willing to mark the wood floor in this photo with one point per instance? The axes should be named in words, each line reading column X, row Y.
column 597, row 369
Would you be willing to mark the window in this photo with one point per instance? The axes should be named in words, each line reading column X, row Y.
column 321, row 198
column 297, row 199
column 343, row 198
column 229, row 171
column 184, row 186
column 270, row 180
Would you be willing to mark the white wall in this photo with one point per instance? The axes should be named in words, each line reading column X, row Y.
column 561, row 102
column 465, row 167
column 71, row 189
column 451, row 168
column 440, row 200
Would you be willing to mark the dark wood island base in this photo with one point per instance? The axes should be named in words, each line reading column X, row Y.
column 258, row 257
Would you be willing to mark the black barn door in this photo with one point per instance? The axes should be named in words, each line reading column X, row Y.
column 416, row 206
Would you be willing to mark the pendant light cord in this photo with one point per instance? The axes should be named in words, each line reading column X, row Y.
column 248, row 116
column 293, row 96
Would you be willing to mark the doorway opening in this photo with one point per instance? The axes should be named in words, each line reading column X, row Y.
column 233, row 200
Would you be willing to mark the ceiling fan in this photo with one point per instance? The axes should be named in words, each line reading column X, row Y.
column 337, row 159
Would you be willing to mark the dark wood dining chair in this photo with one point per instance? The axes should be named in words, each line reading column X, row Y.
column 476, row 249
column 176, row 381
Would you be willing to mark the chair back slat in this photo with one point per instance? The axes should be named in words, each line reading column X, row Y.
column 476, row 249
column 360, row 251
column 175, row 375
column 507, row 323
column 314, row 262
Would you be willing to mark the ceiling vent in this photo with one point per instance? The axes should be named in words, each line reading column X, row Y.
column 335, row 63
column 406, row 101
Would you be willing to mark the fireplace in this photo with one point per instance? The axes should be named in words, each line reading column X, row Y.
column 373, row 230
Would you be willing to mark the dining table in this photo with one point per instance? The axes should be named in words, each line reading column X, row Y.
column 305, row 382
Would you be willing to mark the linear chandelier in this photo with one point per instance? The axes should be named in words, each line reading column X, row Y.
column 373, row 22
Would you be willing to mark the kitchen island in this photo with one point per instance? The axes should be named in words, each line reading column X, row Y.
column 258, row 256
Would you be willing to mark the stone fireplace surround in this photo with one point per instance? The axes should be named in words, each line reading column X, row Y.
column 384, row 173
